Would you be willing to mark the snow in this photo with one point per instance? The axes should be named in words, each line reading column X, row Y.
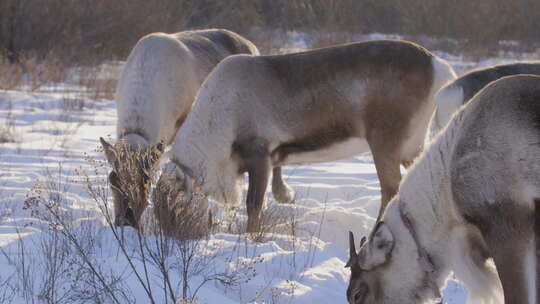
column 55, row 145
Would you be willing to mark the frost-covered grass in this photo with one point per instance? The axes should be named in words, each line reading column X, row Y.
column 56, row 245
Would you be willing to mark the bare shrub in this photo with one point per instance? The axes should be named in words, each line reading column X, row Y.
column 67, row 251
column 130, row 179
column 185, row 251
column 7, row 123
column 32, row 73
column 11, row 74
column 72, row 253
column 7, row 290
column 100, row 88
column 86, row 32
column 41, row 72
column 75, row 81
column 179, row 214
column 25, row 267
column 98, row 79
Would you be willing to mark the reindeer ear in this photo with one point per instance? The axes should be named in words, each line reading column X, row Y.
column 377, row 251
column 157, row 149
column 110, row 153
column 153, row 154
column 114, row 180
column 353, row 256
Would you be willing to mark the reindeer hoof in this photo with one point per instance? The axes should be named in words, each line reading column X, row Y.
column 253, row 226
column 120, row 221
column 284, row 194
column 127, row 219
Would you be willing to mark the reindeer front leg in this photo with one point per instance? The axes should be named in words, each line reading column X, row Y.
column 515, row 259
column 254, row 157
column 259, row 167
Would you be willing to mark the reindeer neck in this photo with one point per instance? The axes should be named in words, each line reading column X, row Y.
column 425, row 198
column 134, row 140
column 425, row 187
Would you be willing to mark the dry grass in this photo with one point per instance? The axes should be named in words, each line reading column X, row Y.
column 181, row 215
column 10, row 75
column 94, row 82
column 83, row 33
column 7, row 123
column 39, row 73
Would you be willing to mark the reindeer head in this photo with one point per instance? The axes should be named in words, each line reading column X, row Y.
column 180, row 207
column 381, row 273
column 173, row 185
column 130, row 178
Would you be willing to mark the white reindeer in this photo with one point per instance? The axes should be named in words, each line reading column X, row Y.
column 455, row 94
column 155, row 93
column 256, row 113
column 469, row 201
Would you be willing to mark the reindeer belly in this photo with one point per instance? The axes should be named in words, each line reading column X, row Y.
column 300, row 154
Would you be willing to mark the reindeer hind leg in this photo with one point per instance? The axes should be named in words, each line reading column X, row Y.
column 255, row 158
column 282, row 192
column 387, row 163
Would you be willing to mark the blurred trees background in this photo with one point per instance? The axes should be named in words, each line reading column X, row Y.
column 89, row 30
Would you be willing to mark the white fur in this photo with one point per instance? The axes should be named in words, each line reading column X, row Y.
column 204, row 144
column 442, row 74
column 434, row 211
column 157, row 85
column 482, row 281
column 135, row 141
column 447, row 100
column 160, row 80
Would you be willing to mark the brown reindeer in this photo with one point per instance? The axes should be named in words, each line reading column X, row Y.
column 254, row 114
column 458, row 92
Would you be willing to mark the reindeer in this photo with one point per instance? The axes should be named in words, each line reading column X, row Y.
column 455, row 94
column 257, row 113
column 469, row 202
column 155, row 93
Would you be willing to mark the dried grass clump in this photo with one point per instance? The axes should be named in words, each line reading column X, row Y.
column 11, row 75
column 180, row 214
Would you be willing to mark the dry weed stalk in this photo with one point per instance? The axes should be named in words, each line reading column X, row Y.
column 7, row 128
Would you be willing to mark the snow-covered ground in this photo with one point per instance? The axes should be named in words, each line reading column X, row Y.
column 55, row 147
